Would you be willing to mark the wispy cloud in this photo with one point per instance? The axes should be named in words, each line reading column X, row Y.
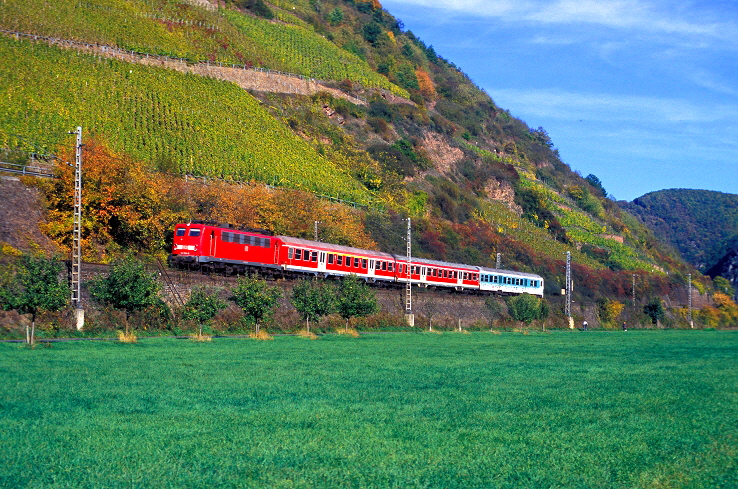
column 562, row 105
column 652, row 16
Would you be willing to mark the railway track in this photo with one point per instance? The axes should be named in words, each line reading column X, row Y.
column 29, row 170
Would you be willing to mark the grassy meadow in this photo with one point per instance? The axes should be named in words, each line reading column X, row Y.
column 647, row 409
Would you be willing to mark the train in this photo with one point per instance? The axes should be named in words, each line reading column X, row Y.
column 223, row 248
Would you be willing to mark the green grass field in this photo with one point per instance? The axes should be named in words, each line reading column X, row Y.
column 646, row 409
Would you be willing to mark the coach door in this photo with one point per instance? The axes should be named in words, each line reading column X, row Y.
column 211, row 243
column 321, row 261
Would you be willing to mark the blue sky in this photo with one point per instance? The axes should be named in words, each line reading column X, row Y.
column 641, row 93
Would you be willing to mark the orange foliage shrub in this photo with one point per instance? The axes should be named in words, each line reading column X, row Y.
column 426, row 84
column 710, row 316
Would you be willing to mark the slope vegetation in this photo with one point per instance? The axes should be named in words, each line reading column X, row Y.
column 427, row 143
column 178, row 122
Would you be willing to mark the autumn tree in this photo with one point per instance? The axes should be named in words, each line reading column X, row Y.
column 609, row 309
column 426, row 84
column 126, row 204
column 35, row 285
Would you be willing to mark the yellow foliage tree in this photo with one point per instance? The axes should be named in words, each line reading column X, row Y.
column 710, row 316
column 726, row 306
column 609, row 309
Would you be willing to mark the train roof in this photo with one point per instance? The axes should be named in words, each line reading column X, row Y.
column 500, row 271
column 288, row 240
column 426, row 261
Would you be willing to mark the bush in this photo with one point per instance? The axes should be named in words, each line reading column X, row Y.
column 527, row 308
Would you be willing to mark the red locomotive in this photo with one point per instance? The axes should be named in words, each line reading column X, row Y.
column 207, row 247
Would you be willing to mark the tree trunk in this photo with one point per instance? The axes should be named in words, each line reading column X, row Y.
column 33, row 329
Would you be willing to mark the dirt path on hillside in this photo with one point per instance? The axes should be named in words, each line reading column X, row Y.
column 244, row 77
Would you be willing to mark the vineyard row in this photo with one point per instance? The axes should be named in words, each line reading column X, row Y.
column 113, row 51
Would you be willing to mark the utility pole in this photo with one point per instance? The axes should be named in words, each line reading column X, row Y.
column 409, row 316
column 77, row 234
column 634, row 290
column 567, row 308
column 498, row 261
column 316, row 230
column 689, row 306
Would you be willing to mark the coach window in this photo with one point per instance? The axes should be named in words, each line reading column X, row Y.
column 383, row 265
column 356, row 263
column 315, row 256
column 330, row 258
column 298, row 254
column 339, row 259
column 290, row 253
column 363, row 263
column 195, row 232
column 390, row 266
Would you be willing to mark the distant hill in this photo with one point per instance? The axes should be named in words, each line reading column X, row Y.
column 727, row 267
column 701, row 224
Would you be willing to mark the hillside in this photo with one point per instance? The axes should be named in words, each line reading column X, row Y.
column 701, row 224
column 396, row 129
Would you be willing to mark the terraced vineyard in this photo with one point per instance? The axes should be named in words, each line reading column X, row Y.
column 202, row 126
column 185, row 31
